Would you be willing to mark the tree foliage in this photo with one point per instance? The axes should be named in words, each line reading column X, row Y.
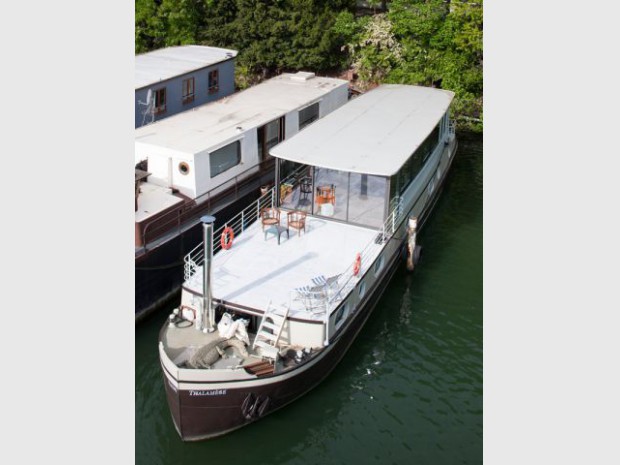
column 425, row 42
column 422, row 42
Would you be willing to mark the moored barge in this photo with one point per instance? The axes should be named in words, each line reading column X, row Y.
column 272, row 300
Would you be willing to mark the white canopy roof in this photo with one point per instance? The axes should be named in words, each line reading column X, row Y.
column 374, row 134
column 166, row 63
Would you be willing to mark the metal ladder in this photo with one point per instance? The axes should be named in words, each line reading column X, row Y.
column 269, row 331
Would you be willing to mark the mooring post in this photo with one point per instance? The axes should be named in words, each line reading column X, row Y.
column 208, row 319
column 411, row 233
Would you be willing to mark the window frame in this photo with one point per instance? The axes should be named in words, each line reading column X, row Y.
column 213, row 81
column 186, row 96
column 211, row 153
column 159, row 107
column 341, row 315
column 311, row 120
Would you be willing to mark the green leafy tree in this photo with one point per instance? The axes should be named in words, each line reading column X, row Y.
column 185, row 19
column 374, row 49
column 279, row 35
column 150, row 30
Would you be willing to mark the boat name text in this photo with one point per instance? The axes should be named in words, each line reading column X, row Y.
column 212, row 392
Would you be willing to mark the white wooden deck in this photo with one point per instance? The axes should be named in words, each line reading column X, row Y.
column 255, row 270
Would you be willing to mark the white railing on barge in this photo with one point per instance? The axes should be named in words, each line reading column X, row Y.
column 239, row 223
column 347, row 279
column 368, row 255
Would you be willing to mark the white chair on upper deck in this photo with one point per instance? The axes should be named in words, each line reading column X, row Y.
column 313, row 298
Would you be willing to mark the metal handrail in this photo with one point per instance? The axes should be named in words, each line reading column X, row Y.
column 387, row 230
column 239, row 223
column 193, row 209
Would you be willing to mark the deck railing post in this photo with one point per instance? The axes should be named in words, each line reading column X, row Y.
column 326, row 327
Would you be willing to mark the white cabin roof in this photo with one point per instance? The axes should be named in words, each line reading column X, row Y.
column 208, row 125
column 166, row 63
column 374, row 134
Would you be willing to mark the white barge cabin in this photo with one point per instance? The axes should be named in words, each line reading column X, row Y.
column 212, row 159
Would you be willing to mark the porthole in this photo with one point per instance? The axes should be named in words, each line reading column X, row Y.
column 183, row 168
column 362, row 289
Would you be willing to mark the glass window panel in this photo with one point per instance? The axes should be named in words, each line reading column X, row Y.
column 330, row 193
column 188, row 90
column 308, row 115
column 273, row 133
column 367, row 199
column 213, row 81
column 225, row 158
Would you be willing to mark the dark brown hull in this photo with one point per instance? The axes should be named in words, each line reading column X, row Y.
column 198, row 417
column 202, row 414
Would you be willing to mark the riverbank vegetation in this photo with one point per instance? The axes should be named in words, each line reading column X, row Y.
column 426, row 42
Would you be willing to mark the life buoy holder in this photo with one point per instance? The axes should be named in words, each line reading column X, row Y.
column 227, row 238
column 357, row 265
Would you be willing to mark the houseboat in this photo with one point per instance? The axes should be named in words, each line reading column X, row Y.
column 212, row 159
column 272, row 300
column 175, row 79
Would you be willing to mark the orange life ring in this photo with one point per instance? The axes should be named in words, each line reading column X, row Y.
column 227, row 238
column 357, row 266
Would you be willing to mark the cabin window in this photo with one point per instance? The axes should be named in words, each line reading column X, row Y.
column 429, row 144
column 214, row 81
column 362, row 289
column 225, row 158
column 188, row 90
column 269, row 135
column 160, row 100
column 308, row 115
column 353, row 197
column 378, row 265
column 408, row 172
column 341, row 314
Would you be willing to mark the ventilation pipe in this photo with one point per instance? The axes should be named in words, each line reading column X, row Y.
column 208, row 318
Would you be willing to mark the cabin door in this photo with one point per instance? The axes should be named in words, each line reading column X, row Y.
column 269, row 135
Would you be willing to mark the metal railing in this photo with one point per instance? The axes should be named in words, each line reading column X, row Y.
column 368, row 254
column 191, row 211
column 239, row 223
column 347, row 279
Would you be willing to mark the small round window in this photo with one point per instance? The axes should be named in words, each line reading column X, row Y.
column 183, row 168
